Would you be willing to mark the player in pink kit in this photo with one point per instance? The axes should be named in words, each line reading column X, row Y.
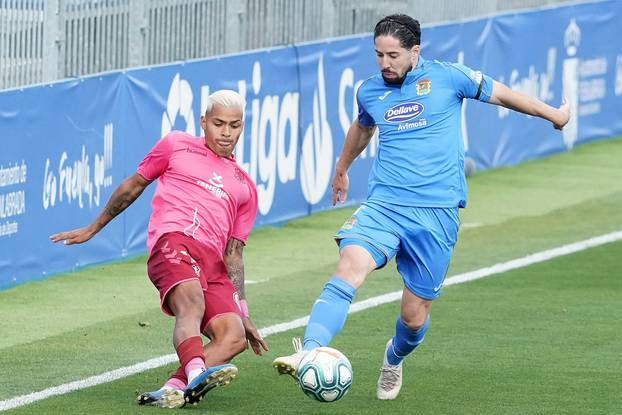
column 203, row 210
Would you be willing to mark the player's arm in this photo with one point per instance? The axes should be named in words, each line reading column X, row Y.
column 235, row 265
column 357, row 139
column 124, row 195
column 234, row 262
column 517, row 101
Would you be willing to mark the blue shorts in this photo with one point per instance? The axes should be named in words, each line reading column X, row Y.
column 422, row 240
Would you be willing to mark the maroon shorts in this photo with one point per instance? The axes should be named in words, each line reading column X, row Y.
column 176, row 258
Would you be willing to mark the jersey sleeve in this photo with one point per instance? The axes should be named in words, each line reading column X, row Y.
column 469, row 83
column 156, row 161
column 363, row 116
column 245, row 218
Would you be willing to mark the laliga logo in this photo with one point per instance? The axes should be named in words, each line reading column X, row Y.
column 403, row 112
column 317, row 147
column 179, row 102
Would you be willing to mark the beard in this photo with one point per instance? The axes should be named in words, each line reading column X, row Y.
column 397, row 81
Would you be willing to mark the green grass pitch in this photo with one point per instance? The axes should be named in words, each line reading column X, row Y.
column 544, row 339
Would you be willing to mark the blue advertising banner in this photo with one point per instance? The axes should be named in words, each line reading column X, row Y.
column 549, row 54
column 66, row 146
column 58, row 167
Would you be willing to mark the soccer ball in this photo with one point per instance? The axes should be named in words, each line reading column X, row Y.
column 325, row 374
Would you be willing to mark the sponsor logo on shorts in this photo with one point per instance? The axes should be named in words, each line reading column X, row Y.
column 170, row 254
column 403, row 112
column 349, row 224
column 193, row 262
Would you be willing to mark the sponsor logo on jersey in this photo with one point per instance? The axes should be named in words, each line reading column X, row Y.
column 424, row 87
column 195, row 151
column 216, row 180
column 420, row 123
column 215, row 186
column 403, row 112
column 383, row 96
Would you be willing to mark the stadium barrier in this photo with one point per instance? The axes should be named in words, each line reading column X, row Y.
column 67, row 145
column 49, row 40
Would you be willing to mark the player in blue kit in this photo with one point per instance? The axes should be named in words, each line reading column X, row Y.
column 416, row 186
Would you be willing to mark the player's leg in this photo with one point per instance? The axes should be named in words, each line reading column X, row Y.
column 222, row 323
column 426, row 250
column 222, row 320
column 228, row 339
column 410, row 329
column 172, row 271
column 187, row 304
column 330, row 310
column 366, row 242
column 358, row 258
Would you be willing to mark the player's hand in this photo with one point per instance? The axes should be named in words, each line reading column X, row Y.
column 564, row 108
column 341, row 182
column 255, row 340
column 76, row 236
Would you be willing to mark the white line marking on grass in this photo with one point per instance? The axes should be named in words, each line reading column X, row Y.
column 88, row 382
column 471, row 225
column 250, row 282
column 301, row 322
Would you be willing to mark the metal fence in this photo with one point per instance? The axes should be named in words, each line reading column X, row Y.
column 46, row 40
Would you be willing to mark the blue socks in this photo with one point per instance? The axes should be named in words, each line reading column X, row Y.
column 329, row 313
column 405, row 341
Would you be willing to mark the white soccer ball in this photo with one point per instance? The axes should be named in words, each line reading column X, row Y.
column 325, row 374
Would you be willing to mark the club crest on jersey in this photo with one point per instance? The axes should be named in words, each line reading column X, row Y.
column 238, row 175
column 403, row 112
column 423, row 87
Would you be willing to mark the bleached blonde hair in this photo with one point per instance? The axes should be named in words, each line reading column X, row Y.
column 227, row 98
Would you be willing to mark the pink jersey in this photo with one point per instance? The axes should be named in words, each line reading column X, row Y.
column 199, row 193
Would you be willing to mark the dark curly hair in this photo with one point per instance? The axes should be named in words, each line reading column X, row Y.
column 401, row 27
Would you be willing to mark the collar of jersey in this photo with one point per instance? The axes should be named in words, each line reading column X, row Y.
column 410, row 76
column 414, row 73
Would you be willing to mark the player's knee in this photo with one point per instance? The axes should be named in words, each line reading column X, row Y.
column 414, row 321
column 236, row 344
column 352, row 271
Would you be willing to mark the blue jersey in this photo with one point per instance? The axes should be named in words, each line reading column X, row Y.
column 420, row 160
